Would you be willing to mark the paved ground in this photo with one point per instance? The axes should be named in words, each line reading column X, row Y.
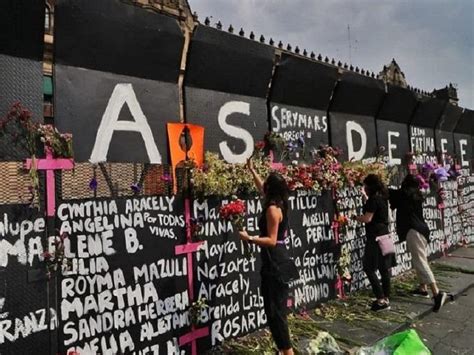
column 352, row 324
column 451, row 331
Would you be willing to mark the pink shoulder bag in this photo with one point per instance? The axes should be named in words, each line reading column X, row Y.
column 386, row 244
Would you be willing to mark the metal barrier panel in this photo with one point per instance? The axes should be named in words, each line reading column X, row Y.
column 398, row 105
column 355, row 103
column 116, row 89
column 393, row 136
column 422, row 136
column 463, row 145
column 226, row 83
column 25, row 317
column 21, row 68
column 392, row 122
column 445, row 142
column 227, row 275
column 300, row 95
column 125, row 289
column 314, row 247
column 24, row 305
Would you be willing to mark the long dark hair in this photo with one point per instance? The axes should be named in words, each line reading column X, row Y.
column 375, row 186
column 411, row 187
column 276, row 191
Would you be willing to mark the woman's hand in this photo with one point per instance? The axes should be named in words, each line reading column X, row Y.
column 256, row 178
column 244, row 236
column 365, row 218
column 250, row 164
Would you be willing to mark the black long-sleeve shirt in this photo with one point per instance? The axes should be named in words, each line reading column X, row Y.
column 379, row 223
column 409, row 213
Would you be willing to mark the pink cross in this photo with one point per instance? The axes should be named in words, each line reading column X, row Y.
column 444, row 246
column 340, row 288
column 335, row 227
column 50, row 164
column 189, row 248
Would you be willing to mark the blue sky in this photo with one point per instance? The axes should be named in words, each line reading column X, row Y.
column 432, row 40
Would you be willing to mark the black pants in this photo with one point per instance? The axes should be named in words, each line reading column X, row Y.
column 373, row 261
column 379, row 291
column 275, row 297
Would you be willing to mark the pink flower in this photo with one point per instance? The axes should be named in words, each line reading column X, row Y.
column 166, row 177
column 66, row 136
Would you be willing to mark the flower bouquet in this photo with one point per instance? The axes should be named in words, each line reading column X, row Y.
column 219, row 178
column 354, row 172
column 343, row 271
column 234, row 212
column 274, row 141
column 342, row 220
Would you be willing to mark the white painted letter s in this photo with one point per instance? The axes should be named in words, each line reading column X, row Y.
column 235, row 132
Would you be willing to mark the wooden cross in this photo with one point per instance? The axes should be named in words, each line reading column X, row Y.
column 49, row 164
column 189, row 248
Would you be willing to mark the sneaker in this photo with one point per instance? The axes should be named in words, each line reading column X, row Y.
column 379, row 307
column 420, row 293
column 439, row 300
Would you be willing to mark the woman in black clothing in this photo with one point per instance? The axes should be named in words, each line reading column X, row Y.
column 375, row 218
column 411, row 226
column 273, row 224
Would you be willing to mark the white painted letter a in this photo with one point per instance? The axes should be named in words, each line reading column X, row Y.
column 123, row 94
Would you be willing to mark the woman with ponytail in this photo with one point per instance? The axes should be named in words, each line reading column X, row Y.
column 273, row 225
column 411, row 226
column 375, row 217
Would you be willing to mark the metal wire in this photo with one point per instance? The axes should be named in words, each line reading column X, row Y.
column 114, row 180
column 15, row 184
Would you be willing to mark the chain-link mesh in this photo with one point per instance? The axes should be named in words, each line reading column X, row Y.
column 15, row 184
column 114, row 180
column 156, row 180
column 22, row 81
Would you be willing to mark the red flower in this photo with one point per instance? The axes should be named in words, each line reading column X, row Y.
column 342, row 220
column 260, row 145
column 233, row 210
